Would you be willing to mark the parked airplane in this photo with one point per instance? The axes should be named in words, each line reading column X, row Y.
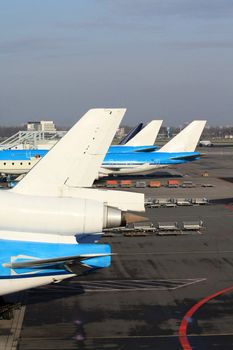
column 20, row 161
column 177, row 151
column 42, row 218
column 143, row 141
column 131, row 134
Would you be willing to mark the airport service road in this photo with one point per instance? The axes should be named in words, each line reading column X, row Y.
column 139, row 302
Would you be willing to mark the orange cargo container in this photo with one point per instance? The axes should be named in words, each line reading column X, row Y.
column 111, row 183
column 126, row 183
column 154, row 184
column 173, row 183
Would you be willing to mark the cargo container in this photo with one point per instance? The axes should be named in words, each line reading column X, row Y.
column 173, row 183
column 140, row 184
column 112, row 183
column 126, row 183
column 155, row 184
column 188, row 184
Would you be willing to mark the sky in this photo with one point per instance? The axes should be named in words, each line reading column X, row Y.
column 169, row 59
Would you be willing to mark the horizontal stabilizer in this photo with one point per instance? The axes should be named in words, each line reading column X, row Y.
column 147, row 136
column 187, row 139
column 146, row 149
column 75, row 160
column 188, row 157
column 72, row 264
column 123, row 200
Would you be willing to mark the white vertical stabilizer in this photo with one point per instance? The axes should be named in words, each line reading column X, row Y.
column 76, row 159
column 187, row 139
column 147, row 136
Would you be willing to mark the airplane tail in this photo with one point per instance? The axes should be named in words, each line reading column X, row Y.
column 76, row 159
column 187, row 139
column 147, row 136
column 131, row 134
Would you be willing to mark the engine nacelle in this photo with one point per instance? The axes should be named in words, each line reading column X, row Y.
column 113, row 217
column 66, row 216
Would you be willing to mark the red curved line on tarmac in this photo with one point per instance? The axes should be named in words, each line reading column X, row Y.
column 184, row 323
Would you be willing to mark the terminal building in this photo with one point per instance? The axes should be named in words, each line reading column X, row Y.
column 43, row 125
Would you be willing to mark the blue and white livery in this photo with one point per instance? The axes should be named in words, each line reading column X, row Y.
column 20, row 161
column 137, row 159
column 179, row 150
column 29, row 264
column 43, row 217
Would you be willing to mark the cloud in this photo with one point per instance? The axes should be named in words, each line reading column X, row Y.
column 182, row 8
column 28, row 44
column 193, row 45
column 105, row 23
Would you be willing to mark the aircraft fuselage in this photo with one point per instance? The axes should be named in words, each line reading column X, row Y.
column 21, row 161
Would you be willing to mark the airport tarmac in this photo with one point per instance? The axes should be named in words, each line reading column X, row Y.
column 169, row 292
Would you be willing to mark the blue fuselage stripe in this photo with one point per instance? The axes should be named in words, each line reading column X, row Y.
column 113, row 159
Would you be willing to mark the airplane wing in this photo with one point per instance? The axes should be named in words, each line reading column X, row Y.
column 73, row 264
column 75, row 160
